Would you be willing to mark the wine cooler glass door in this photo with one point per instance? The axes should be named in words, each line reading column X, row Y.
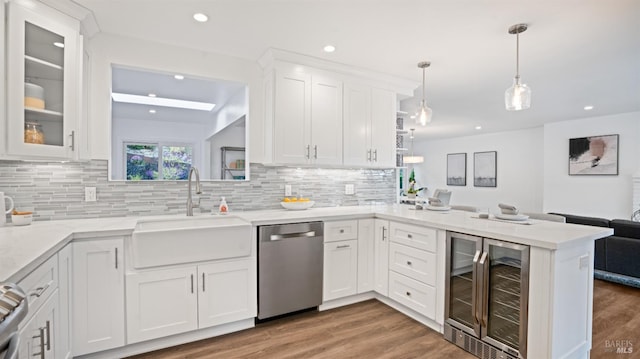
column 505, row 276
column 463, row 253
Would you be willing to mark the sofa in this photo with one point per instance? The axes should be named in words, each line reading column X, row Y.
column 617, row 257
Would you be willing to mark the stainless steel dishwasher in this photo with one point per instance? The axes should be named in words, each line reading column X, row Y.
column 289, row 268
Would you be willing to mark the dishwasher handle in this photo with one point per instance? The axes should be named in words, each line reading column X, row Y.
column 277, row 237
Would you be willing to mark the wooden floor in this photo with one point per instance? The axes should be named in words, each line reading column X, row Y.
column 373, row 330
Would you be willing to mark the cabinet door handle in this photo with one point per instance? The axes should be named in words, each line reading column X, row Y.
column 375, row 155
column 369, row 155
column 116, row 257
column 192, row 283
column 408, row 263
column 409, row 236
column 307, row 152
column 203, row 282
column 384, row 233
column 73, row 140
column 41, row 336
column 408, row 294
column 343, row 246
column 315, row 152
column 48, row 328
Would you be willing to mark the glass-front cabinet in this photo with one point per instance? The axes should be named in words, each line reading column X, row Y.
column 44, row 65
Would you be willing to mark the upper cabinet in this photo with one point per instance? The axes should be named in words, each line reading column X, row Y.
column 44, row 76
column 369, row 126
column 328, row 114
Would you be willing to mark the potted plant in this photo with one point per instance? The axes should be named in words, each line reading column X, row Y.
column 412, row 191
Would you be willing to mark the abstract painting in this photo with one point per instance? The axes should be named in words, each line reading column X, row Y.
column 596, row 155
column 484, row 169
column 456, row 169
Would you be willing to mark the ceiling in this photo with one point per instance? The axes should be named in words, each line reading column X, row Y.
column 163, row 85
column 575, row 52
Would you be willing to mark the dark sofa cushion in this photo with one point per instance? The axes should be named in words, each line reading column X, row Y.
column 626, row 228
column 622, row 253
column 589, row 221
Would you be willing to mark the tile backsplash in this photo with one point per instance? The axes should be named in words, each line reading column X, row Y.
column 55, row 190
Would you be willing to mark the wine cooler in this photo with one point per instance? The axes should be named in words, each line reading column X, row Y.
column 487, row 288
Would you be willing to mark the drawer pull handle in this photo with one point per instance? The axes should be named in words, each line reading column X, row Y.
column 408, row 263
column 408, row 294
column 344, row 246
column 48, row 328
column 342, row 231
column 38, row 292
column 409, row 236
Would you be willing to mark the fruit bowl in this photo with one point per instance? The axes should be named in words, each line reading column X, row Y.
column 297, row 206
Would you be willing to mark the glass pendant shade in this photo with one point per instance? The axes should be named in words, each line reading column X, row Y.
column 425, row 114
column 413, row 159
column 517, row 97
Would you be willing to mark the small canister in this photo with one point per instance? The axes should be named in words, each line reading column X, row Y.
column 33, row 133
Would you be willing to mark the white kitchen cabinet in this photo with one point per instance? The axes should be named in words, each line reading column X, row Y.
column 98, row 295
column 381, row 254
column 227, row 292
column 65, row 290
column 161, row 303
column 307, row 113
column 44, row 67
column 340, row 272
column 366, row 255
column 369, row 126
column 40, row 336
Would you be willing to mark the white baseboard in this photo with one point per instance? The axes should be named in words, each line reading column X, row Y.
column 165, row 342
column 346, row 301
column 411, row 313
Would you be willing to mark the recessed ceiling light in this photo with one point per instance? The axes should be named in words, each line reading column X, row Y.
column 152, row 95
column 178, row 77
column 58, row 44
column 152, row 111
column 329, row 48
column 160, row 101
column 200, row 17
column 588, row 108
column 478, row 127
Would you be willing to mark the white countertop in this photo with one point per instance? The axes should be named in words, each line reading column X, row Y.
column 24, row 248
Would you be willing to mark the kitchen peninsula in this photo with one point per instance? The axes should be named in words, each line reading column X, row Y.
column 560, row 284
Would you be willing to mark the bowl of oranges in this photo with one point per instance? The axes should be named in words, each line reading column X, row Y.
column 296, row 204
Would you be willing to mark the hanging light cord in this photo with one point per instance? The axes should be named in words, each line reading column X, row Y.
column 518, row 55
column 424, row 89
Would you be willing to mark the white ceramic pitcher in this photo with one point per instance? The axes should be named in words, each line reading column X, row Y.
column 3, row 208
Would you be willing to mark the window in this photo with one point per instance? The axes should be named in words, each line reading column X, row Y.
column 157, row 161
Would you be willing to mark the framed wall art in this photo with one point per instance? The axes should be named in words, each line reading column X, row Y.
column 484, row 169
column 595, row 155
column 456, row 169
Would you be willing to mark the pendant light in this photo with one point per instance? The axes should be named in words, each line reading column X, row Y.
column 424, row 116
column 518, row 96
column 412, row 158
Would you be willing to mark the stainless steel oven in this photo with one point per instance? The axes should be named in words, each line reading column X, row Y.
column 487, row 291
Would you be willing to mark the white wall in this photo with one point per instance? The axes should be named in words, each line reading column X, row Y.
column 106, row 49
column 601, row 196
column 519, row 168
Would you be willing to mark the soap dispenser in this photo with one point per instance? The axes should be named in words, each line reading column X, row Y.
column 223, row 209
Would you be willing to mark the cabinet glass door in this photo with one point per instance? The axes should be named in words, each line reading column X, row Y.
column 506, row 285
column 43, row 86
column 463, row 253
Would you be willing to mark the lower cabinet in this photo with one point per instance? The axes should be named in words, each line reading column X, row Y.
column 38, row 338
column 98, row 295
column 381, row 254
column 413, row 294
column 164, row 302
column 340, row 273
column 366, row 255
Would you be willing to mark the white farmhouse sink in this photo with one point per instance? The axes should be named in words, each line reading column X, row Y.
column 185, row 240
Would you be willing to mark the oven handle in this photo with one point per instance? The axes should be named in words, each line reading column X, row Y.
column 474, row 289
column 277, row 237
column 12, row 349
column 484, row 262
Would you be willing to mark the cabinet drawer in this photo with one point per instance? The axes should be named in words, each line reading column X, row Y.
column 413, row 294
column 340, row 230
column 414, row 236
column 40, row 283
column 414, row 263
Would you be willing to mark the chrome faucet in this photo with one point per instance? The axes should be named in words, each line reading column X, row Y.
column 190, row 204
